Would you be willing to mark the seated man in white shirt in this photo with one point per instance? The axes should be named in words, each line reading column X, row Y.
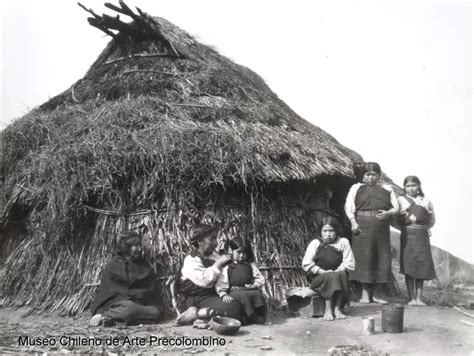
column 199, row 274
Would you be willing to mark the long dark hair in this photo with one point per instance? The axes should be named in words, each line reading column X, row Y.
column 329, row 220
column 416, row 180
column 367, row 167
column 243, row 243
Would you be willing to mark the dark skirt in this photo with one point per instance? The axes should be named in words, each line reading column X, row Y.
column 232, row 310
column 252, row 301
column 327, row 284
column 371, row 250
column 132, row 313
column 415, row 253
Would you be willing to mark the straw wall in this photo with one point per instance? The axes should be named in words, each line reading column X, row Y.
column 63, row 275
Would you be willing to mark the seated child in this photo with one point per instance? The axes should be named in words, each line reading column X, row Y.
column 241, row 281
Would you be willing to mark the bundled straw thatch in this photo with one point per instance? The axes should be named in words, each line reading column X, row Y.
column 162, row 132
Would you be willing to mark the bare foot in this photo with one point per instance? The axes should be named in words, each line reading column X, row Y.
column 339, row 314
column 379, row 300
column 96, row 320
column 206, row 313
column 268, row 319
column 420, row 303
column 101, row 320
column 365, row 297
column 328, row 316
column 412, row 302
column 188, row 316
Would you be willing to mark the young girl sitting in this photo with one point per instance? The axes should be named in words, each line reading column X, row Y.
column 417, row 217
column 241, row 281
column 327, row 262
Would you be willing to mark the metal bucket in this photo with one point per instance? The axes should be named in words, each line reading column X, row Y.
column 392, row 318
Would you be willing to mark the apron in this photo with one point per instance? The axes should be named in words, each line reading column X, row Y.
column 326, row 284
column 371, row 247
column 252, row 301
column 416, row 259
column 240, row 274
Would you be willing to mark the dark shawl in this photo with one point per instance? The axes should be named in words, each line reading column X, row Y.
column 240, row 274
column 125, row 280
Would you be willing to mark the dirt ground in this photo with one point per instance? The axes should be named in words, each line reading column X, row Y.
column 432, row 330
column 427, row 331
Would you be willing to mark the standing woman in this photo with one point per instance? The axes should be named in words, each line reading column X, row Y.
column 369, row 207
column 416, row 261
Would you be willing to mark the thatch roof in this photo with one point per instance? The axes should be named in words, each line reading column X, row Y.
column 160, row 109
column 160, row 125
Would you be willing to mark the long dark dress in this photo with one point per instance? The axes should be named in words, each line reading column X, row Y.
column 371, row 247
column 326, row 284
column 201, row 297
column 127, row 292
column 252, row 301
column 416, row 259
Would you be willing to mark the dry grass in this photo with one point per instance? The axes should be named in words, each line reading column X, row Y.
column 188, row 135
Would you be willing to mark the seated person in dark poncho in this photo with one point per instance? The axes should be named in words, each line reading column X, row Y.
column 326, row 263
column 241, row 281
column 198, row 276
column 127, row 292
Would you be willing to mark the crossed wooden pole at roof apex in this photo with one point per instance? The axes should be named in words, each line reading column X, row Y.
column 143, row 25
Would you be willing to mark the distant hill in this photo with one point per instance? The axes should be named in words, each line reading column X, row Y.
column 448, row 267
column 2, row 188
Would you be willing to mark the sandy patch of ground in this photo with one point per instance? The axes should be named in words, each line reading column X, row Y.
column 427, row 331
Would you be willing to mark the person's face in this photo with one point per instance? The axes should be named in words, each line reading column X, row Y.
column 371, row 177
column 328, row 234
column 208, row 244
column 411, row 189
column 239, row 255
column 136, row 252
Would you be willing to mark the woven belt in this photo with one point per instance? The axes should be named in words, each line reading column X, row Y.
column 416, row 226
column 367, row 213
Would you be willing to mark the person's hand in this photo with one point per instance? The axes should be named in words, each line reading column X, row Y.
column 403, row 218
column 227, row 299
column 223, row 260
column 250, row 286
column 355, row 228
column 323, row 271
column 383, row 214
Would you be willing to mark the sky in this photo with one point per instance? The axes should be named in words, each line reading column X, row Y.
column 390, row 80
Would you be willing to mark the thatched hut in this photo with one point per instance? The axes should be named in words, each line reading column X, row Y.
column 162, row 132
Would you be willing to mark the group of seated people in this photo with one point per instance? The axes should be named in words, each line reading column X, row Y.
column 212, row 284
column 230, row 284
